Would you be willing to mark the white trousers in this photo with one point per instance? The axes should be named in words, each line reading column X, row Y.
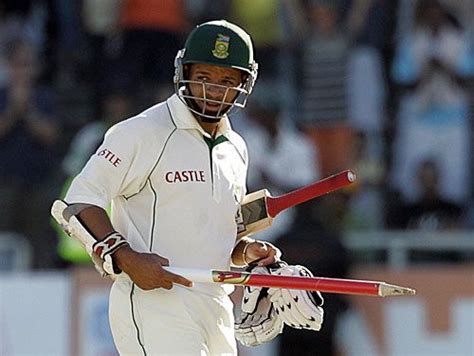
column 179, row 321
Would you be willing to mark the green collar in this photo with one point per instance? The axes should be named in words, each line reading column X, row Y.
column 212, row 143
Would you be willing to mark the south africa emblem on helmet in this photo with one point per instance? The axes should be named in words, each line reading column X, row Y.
column 221, row 47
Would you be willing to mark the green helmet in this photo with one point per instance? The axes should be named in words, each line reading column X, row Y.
column 218, row 43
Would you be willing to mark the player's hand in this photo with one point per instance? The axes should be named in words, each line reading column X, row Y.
column 146, row 269
column 263, row 251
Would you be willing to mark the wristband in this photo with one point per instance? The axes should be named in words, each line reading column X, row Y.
column 109, row 245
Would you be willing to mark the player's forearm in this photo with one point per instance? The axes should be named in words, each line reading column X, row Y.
column 97, row 221
column 91, row 227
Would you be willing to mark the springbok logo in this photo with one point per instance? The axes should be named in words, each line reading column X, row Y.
column 221, row 47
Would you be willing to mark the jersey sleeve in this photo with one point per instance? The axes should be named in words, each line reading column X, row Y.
column 118, row 168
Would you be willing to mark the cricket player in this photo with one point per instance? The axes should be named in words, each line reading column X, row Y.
column 175, row 176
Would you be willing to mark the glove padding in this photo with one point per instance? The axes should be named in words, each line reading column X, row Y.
column 258, row 321
column 297, row 308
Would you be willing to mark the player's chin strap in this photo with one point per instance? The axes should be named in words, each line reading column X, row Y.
column 100, row 251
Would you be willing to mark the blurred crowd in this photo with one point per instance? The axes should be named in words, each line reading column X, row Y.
column 384, row 87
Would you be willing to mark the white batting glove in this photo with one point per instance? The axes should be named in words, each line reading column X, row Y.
column 258, row 321
column 297, row 308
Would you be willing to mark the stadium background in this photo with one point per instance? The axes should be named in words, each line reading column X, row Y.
column 335, row 75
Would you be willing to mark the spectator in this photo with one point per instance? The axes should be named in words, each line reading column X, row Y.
column 14, row 21
column 433, row 118
column 370, row 25
column 28, row 134
column 36, row 21
column 100, row 21
column 268, row 38
column 323, row 67
column 430, row 211
column 322, row 90
column 276, row 42
column 151, row 34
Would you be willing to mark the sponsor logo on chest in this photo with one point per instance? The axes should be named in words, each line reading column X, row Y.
column 185, row 176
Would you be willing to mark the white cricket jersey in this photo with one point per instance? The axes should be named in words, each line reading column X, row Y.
column 174, row 190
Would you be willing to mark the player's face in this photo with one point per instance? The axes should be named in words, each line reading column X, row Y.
column 215, row 85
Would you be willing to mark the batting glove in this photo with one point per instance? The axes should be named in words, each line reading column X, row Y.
column 297, row 308
column 258, row 321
